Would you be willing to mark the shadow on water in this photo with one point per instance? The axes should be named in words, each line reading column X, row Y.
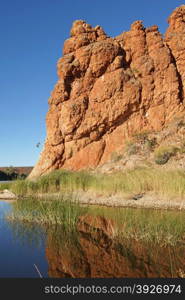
column 91, row 249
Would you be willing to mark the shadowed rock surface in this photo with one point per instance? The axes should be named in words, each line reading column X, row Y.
column 110, row 88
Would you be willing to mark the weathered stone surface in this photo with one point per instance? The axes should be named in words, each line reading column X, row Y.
column 110, row 88
column 6, row 194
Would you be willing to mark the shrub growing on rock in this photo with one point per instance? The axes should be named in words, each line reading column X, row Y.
column 131, row 148
column 116, row 157
column 163, row 153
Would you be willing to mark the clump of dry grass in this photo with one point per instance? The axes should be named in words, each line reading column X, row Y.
column 163, row 153
column 142, row 141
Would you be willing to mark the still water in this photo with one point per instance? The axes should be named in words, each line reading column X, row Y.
column 29, row 250
column 18, row 253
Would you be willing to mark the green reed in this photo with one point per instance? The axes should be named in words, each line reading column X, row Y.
column 165, row 183
column 61, row 211
column 152, row 226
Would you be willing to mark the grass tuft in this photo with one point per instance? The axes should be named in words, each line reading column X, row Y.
column 163, row 153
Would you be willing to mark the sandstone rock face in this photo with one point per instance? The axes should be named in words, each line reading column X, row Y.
column 110, row 88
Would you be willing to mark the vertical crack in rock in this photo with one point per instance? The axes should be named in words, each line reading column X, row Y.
column 181, row 90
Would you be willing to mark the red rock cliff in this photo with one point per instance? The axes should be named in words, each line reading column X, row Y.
column 109, row 88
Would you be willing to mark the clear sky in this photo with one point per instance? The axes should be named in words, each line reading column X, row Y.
column 32, row 33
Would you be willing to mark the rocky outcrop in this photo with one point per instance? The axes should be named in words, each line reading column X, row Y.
column 6, row 194
column 110, row 88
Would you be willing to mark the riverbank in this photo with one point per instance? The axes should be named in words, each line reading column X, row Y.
column 149, row 200
column 140, row 187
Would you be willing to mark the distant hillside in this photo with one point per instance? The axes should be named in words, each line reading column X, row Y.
column 9, row 173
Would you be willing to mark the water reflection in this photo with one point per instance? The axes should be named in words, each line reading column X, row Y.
column 27, row 234
column 92, row 249
column 95, row 252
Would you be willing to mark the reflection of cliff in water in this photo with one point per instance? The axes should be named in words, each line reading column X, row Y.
column 95, row 252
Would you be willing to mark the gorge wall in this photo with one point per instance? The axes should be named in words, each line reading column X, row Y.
column 110, row 88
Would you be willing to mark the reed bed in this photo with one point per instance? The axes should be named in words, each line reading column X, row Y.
column 158, row 226
column 151, row 226
column 59, row 211
column 165, row 183
column 5, row 185
column 136, row 231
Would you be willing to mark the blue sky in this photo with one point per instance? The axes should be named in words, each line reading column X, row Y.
column 32, row 34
